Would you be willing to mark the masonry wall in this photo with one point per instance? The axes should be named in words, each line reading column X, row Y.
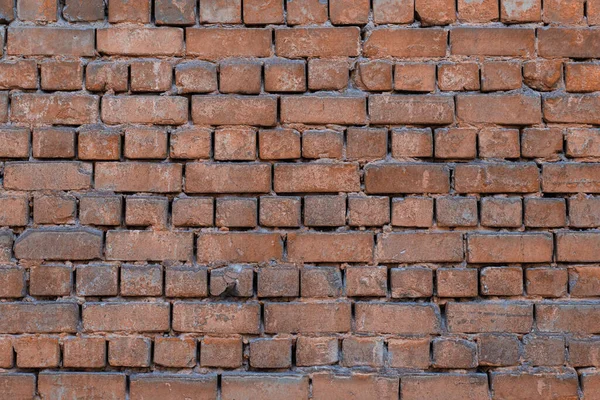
column 258, row 200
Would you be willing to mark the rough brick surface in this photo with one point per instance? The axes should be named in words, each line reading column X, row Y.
column 299, row 199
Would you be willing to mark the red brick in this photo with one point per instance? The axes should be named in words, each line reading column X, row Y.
column 593, row 12
column 221, row 11
column 140, row 41
column 541, row 142
column 542, row 75
column 582, row 77
column 228, row 178
column 285, row 76
column 99, row 144
column 406, row 178
column 366, row 281
column 584, row 212
column 498, row 349
column 368, row 387
column 7, row 13
column 564, row 12
column 457, row 282
column 217, row 318
column 306, row 12
column 141, row 280
column 53, row 143
column 322, row 144
column 239, row 247
column 102, row 76
column 143, row 143
column 148, row 386
column 575, row 318
column 93, row 386
column 577, row 247
column 138, row 176
column 456, row 143
column 393, row 12
column 362, row 352
column 37, row 352
column 496, row 178
column 534, row 386
column 41, row 317
column 321, row 282
column 509, row 317
column 321, row 177
column 50, row 41
column 60, row 109
column 445, row 387
column 196, row 77
column 236, row 212
column 412, row 142
column 235, row 143
column 456, row 211
column 397, row 318
column 83, row 10
column 314, row 351
column 14, row 142
column 61, row 75
column 477, row 12
column 175, row 352
column 583, row 352
column 416, row 212
column 100, row 210
column 234, row 110
column 374, row 76
column 545, row 213
column 419, row 77
column 501, row 212
column 219, row 43
column 149, row 245
column 499, row 143
column 324, row 210
column 323, row 110
column 278, row 281
column 327, row 74
column 192, row 211
column 84, row 352
column 322, row 317
column 185, row 281
column 556, row 42
column 14, row 210
column 19, row 74
column 262, row 12
column 572, row 109
column 240, row 76
column 366, row 143
column 271, row 353
column 500, row 76
column 454, row 353
column 278, row 144
column 97, row 280
column 412, row 282
column 6, row 358
column 492, row 42
column 509, row 248
column 57, row 244
column 546, row 282
column 281, row 212
column 321, row 42
column 506, row 109
column 409, row 353
column 151, row 76
column 413, row 110
column 12, row 282
column 394, row 42
column 172, row 12
column 501, row 281
column 349, row 12
column 50, row 280
column 158, row 110
column 236, row 387
column 221, row 352
column 544, row 350
column 515, row 11
column 569, row 178
column 330, row 247
column 129, row 351
column 129, row 11
column 458, row 77
column 126, row 317
column 583, row 142
column 368, row 211
column 436, row 12
column 416, row 247
column 190, row 143
column 47, row 176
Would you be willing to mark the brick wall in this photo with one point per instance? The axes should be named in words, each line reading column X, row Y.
column 259, row 200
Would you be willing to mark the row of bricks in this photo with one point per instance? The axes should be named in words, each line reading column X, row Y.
column 328, row 177
column 246, row 144
column 538, row 384
column 306, row 247
column 100, row 280
column 209, row 43
column 286, row 212
column 513, row 108
column 281, row 75
column 298, row 12
column 341, row 316
column 421, row 353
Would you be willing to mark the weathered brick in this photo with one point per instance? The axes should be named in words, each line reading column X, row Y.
column 499, row 109
column 217, row 318
column 54, row 385
column 228, row 178
column 322, row 317
column 392, row 42
column 172, row 12
column 60, row 109
column 138, row 176
column 146, row 387
column 534, row 386
column 313, row 351
column 218, row 43
column 323, row 110
column 411, row 247
column 572, row 108
column 12, row 282
column 50, row 41
column 239, row 247
column 97, row 280
column 557, row 42
column 139, row 41
column 368, row 387
column 126, row 317
column 397, row 318
column 511, row 317
column 271, row 353
column 57, row 244
column 184, row 281
column 84, row 352
column 577, row 246
column 407, row 178
column 149, row 246
column 39, row 317
column 445, row 387
column 19, row 74
column 330, row 247
column 412, row 110
column 83, row 10
column 234, row 110
column 158, row 110
column 102, row 76
column 239, row 387
column 317, row 42
column 223, row 352
column 37, row 352
column 509, row 248
column 570, row 178
column 14, row 210
column 497, row 178
column 321, row 177
column 50, row 280
column 492, row 42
